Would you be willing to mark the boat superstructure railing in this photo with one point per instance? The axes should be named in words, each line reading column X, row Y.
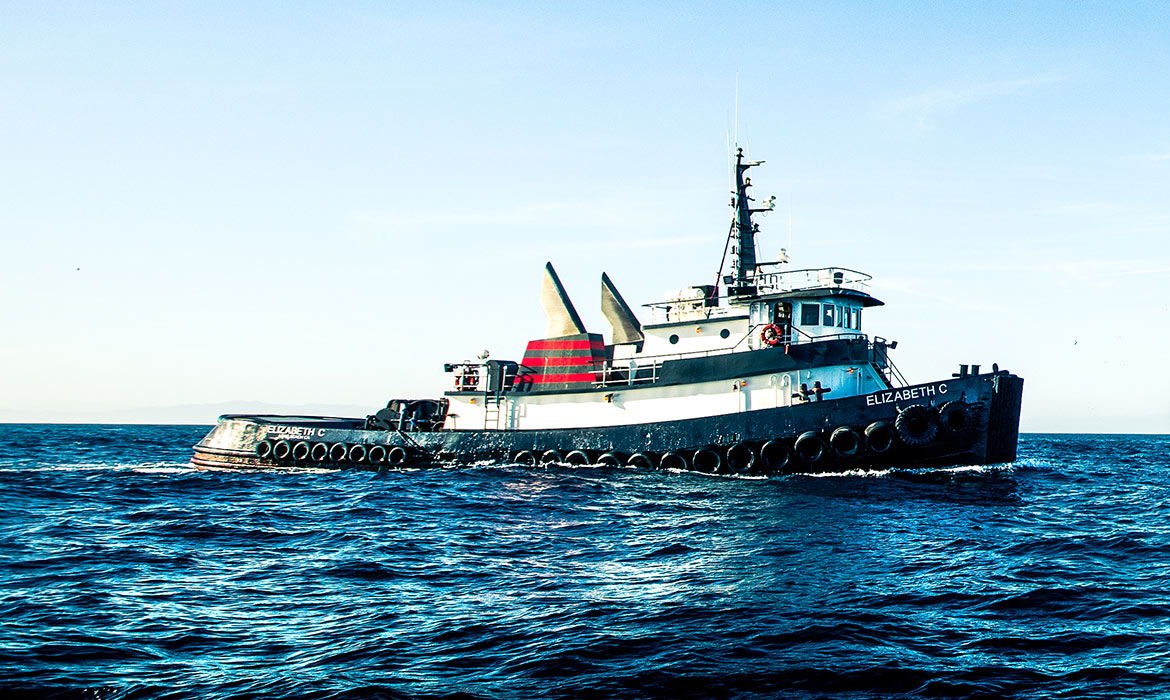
column 769, row 279
column 690, row 309
column 474, row 376
column 646, row 370
column 879, row 357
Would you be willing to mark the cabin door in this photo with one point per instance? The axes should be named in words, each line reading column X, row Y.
column 782, row 317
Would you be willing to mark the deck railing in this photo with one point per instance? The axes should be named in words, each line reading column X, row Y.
column 473, row 377
column 776, row 281
column 768, row 279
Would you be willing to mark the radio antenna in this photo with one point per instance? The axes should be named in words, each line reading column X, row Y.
column 736, row 109
column 729, row 185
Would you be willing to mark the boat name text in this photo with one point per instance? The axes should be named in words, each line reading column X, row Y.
column 918, row 392
column 294, row 431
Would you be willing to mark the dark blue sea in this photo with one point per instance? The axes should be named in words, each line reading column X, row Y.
column 126, row 573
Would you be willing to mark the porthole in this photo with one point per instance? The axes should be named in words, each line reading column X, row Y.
column 673, row 339
column 725, row 334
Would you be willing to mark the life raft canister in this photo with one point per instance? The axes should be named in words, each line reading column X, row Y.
column 771, row 335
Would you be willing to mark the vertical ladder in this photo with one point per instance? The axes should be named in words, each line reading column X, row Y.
column 491, row 410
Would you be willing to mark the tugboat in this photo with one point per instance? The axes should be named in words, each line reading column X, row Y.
column 766, row 371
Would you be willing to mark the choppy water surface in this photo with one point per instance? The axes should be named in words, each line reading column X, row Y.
column 126, row 573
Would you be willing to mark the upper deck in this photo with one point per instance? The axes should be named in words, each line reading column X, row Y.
column 770, row 281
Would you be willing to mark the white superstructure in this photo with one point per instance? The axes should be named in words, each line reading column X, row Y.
column 766, row 337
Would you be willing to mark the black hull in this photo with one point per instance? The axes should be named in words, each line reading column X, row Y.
column 986, row 432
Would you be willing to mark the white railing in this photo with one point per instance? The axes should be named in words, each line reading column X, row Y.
column 473, row 377
column 680, row 310
column 772, row 282
column 768, row 279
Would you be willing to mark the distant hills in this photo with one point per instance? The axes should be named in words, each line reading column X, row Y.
column 187, row 414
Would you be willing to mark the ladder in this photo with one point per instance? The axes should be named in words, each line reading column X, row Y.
column 491, row 410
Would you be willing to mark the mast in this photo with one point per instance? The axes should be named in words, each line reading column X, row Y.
column 741, row 282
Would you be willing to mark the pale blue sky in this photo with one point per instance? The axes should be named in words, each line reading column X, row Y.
column 299, row 203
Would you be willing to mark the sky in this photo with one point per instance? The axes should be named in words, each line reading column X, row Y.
column 317, row 204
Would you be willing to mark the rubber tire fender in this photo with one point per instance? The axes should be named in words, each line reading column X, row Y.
column 338, row 452
column 376, row 454
column 917, row 425
column 775, row 455
column 300, row 451
column 578, row 458
column 674, row 460
column 707, row 460
column 954, row 418
column 809, row 447
column 845, row 442
column 281, row 450
column 611, row 459
column 879, row 437
column 740, row 458
column 641, row 460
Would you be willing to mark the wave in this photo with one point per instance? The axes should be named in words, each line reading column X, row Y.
column 127, row 573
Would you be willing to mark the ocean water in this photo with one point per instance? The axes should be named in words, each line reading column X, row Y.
column 125, row 573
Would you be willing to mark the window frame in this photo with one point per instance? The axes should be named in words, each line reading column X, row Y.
column 816, row 314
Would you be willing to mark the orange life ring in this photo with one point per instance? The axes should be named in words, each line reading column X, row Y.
column 771, row 335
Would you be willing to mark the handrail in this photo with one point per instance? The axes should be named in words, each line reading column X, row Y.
column 656, row 361
column 632, row 374
column 895, row 372
column 776, row 281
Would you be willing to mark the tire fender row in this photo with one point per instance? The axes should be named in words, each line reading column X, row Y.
column 303, row 452
column 915, row 426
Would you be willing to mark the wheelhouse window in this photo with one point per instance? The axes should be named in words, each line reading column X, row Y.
column 809, row 314
column 857, row 319
column 829, row 315
column 841, row 311
column 847, row 321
